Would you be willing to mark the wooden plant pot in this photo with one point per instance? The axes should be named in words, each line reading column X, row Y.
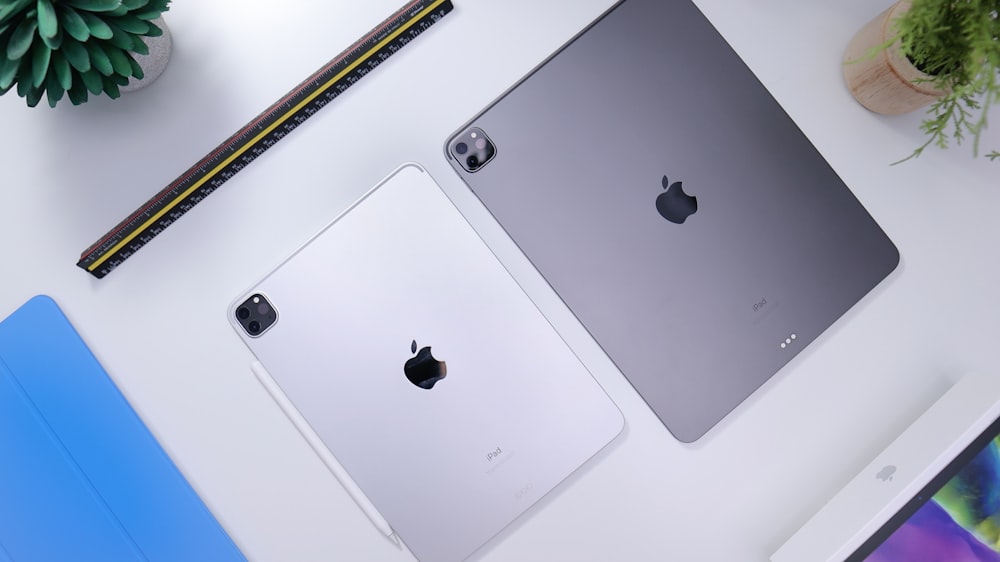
column 887, row 82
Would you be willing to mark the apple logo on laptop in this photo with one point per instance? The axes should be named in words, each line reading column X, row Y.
column 886, row 473
column 423, row 369
column 675, row 205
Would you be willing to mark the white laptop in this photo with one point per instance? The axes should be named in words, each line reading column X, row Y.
column 932, row 496
column 401, row 343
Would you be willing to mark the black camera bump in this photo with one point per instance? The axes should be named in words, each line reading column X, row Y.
column 256, row 314
column 473, row 149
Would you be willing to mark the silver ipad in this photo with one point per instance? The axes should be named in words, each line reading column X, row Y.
column 933, row 495
column 675, row 208
column 403, row 344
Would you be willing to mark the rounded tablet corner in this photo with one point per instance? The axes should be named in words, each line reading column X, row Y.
column 620, row 423
column 894, row 257
column 406, row 165
column 612, row 425
column 689, row 435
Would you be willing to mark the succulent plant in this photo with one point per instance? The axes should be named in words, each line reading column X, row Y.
column 74, row 48
column 957, row 43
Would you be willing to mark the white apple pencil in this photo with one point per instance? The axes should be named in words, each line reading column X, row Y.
column 324, row 454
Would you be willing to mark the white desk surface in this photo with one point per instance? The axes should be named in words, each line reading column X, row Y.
column 158, row 322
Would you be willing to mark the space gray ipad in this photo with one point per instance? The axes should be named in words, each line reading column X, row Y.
column 675, row 208
column 424, row 369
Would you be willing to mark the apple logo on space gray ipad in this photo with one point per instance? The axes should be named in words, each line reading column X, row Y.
column 423, row 369
column 675, row 205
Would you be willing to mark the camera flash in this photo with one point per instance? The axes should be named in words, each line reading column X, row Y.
column 256, row 300
column 473, row 135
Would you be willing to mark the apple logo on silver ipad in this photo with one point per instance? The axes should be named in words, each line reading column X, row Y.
column 423, row 369
column 675, row 205
column 886, row 473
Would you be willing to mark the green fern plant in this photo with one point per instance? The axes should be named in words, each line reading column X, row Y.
column 957, row 43
column 52, row 48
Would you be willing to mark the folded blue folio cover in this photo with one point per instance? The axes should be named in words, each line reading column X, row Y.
column 81, row 478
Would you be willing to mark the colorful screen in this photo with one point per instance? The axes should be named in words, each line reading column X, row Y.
column 961, row 520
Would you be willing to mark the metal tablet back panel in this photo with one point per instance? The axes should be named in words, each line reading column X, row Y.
column 516, row 413
column 696, row 315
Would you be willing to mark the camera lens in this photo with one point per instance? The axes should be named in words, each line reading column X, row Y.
column 472, row 161
column 253, row 327
column 461, row 148
column 243, row 313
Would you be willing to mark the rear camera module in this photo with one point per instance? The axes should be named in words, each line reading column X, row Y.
column 473, row 149
column 255, row 315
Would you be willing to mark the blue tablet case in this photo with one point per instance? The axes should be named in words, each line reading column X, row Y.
column 81, row 478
